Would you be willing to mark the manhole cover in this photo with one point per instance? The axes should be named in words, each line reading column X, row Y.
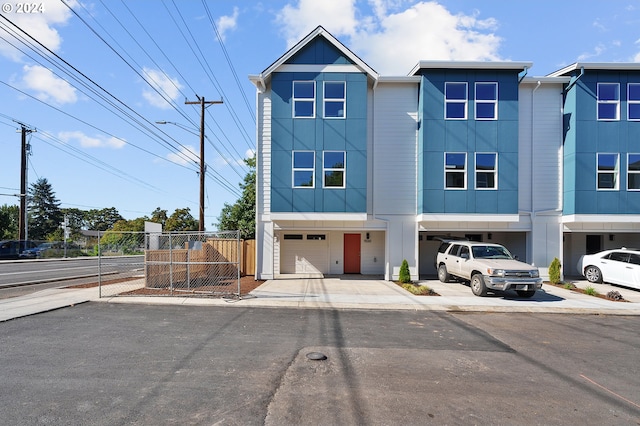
column 316, row 356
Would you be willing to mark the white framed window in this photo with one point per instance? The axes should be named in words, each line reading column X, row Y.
column 455, row 170
column 304, row 99
column 633, row 172
column 608, row 171
column 334, row 168
column 335, row 99
column 486, row 170
column 633, row 101
column 608, row 101
column 486, row 101
column 304, row 163
column 455, row 101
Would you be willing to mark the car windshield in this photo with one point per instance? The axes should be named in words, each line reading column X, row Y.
column 491, row 252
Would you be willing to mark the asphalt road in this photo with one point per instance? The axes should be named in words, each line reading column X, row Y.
column 121, row 364
column 30, row 271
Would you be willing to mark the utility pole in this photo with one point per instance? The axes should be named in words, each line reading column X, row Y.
column 203, row 105
column 25, row 148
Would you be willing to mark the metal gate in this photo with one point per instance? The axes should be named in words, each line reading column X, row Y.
column 170, row 264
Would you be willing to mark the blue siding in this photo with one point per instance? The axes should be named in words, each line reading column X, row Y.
column 585, row 136
column 319, row 134
column 437, row 136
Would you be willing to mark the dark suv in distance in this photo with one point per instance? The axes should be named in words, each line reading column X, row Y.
column 11, row 249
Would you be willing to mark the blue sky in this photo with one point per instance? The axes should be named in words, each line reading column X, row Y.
column 111, row 69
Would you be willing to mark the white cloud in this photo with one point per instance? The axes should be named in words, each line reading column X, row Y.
column 227, row 23
column 40, row 26
column 337, row 16
column 187, row 155
column 169, row 87
column 395, row 37
column 98, row 141
column 48, row 87
column 597, row 51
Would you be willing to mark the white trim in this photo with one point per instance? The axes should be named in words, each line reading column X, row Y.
column 318, row 216
column 615, row 172
column 467, row 217
column 294, row 99
column 335, row 100
column 601, row 219
column 616, row 66
column 295, row 169
column 463, row 171
column 494, row 171
column 343, row 169
column 457, row 101
column 485, row 101
column 629, row 172
column 338, row 68
column 607, row 102
column 631, row 102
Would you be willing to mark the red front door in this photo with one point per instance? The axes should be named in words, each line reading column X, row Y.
column 352, row 253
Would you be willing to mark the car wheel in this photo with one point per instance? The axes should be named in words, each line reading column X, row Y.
column 593, row 274
column 526, row 293
column 477, row 285
column 443, row 275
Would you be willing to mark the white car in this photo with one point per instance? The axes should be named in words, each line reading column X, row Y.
column 618, row 266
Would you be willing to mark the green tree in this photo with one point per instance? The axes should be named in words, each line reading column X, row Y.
column 554, row 271
column 45, row 215
column 125, row 236
column 159, row 216
column 242, row 214
column 404, row 275
column 181, row 220
column 103, row 219
column 9, row 222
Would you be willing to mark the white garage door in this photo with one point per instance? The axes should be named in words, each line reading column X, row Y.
column 306, row 255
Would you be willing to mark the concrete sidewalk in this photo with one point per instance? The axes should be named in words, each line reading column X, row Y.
column 345, row 292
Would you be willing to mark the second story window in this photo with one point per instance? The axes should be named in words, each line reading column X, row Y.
column 607, row 172
column 486, row 170
column 608, row 101
column 304, row 99
column 486, row 101
column 333, row 167
column 633, row 172
column 303, row 169
column 455, row 101
column 633, row 101
column 455, row 170
column 335, row 96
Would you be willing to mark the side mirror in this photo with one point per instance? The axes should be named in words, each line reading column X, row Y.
column 465, row 256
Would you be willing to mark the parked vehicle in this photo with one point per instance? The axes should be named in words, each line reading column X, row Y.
column 36, row 252
column 11, row 249
column 487, row 267
column 618, row 266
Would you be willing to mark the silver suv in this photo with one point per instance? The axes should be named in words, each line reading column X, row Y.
column 487, row 266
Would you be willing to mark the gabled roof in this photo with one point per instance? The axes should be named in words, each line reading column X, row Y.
column 608, row 66
column 261, row 79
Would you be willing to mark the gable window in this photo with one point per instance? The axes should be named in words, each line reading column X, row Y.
column 455, row 101
column 486, row 170
column 633, row 101
column 607, row 171
column 633, row 172
column 608, row 101
column 303, row 169
column 304, row 99
column 335, row 94
column 455, row 170
column 333, row 168
column 486, row 101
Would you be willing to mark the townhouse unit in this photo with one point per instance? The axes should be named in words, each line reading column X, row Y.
column 358, row 171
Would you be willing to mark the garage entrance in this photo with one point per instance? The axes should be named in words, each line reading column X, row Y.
column 304, row 253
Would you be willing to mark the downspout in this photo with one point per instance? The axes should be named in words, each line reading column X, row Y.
column 533, row 163
column 526, row 70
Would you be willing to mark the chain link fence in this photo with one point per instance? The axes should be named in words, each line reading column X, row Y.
column 169, row 264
